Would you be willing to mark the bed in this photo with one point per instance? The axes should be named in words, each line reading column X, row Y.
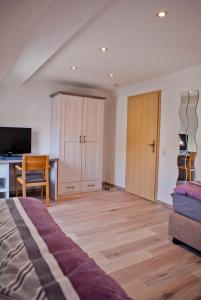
column 187, row 206
column 38, row 261
column 185, row 220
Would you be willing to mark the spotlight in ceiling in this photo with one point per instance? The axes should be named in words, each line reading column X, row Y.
column 112, row 75
column 161, row 14
column 103, row 49
column 73, row 67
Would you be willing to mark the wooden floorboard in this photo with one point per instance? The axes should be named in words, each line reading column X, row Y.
column 127, row 236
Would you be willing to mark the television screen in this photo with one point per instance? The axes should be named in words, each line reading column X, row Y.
column 14, row 140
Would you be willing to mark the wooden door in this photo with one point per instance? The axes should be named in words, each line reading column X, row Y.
column 92, row 139
column 71, row 119
column 142, row 145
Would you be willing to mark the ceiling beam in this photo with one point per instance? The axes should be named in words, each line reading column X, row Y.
column 60, row 21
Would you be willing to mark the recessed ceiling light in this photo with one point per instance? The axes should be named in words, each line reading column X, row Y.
column 73, row 67
column 161, row 14
column 103, row 49
column 111, row 75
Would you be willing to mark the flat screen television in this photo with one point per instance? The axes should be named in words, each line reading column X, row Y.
column 15, row 141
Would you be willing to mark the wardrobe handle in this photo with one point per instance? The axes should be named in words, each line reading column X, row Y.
column 91, row 184
column 84, row 139
column 80, row 139
column 70, row 187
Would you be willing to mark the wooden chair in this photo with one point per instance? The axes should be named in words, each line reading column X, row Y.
column 186, row 164
column 191, row 165
column 34, row 172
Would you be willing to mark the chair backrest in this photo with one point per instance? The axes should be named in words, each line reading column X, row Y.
column 35, row 162
column 193, row 155
column 192, row 159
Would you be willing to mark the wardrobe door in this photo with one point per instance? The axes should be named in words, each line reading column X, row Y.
column 70, row 166
column 92, row 141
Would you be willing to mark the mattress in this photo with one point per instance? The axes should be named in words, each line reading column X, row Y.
column 187, row 206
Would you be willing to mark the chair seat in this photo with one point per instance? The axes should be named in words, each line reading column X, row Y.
column 33, row 178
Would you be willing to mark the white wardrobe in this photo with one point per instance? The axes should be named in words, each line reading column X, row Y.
column 77, row 140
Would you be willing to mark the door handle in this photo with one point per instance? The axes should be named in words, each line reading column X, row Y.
column 153, row 145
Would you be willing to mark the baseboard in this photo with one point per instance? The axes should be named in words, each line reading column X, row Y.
column 111, row 185
column 119, row 188
column 165, row 204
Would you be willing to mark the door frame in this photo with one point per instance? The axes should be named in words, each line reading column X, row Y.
column 157, row 141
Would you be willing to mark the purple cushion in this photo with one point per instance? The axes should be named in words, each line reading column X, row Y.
column 191, row 189
column 33, row 178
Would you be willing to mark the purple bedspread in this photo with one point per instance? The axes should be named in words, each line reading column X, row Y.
column 189, row 189
column 79, row 277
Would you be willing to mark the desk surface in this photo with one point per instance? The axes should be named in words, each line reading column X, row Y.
column 14, row 161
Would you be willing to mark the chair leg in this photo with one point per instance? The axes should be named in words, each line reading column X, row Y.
column 16, row 188
column 47, row 195
column 190, row 175
column 41, row 192
column 24, row 190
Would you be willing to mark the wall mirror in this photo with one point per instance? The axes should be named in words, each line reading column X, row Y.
column 188, row 124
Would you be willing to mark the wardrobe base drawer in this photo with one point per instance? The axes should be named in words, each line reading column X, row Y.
column 91, row 186
column 68, row 188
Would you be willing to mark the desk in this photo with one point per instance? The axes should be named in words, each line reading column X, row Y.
column 7, row 177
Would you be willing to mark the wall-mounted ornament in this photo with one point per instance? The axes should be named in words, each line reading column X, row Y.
column 187, row 136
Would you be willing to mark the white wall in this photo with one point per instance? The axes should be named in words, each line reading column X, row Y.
column 116, row 121
column 29, row 106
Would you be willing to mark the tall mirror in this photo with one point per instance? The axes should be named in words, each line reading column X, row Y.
column 187, row 136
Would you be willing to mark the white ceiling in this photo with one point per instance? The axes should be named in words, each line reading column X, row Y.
column 40, row 40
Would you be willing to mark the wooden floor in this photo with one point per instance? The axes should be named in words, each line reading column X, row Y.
column 127, row 236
